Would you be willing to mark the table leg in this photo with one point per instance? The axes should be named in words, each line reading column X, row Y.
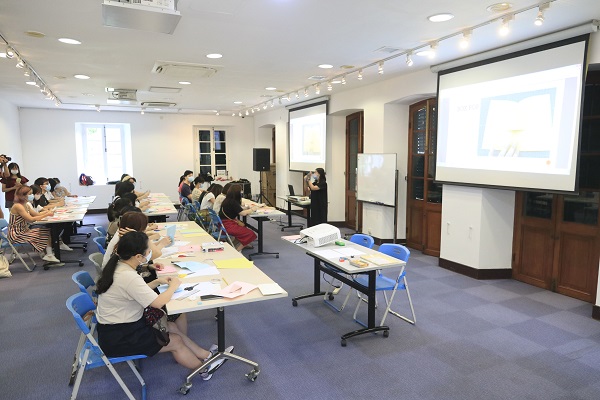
column 221, row 354
column 259, row 232
column 55, row 230
column 289, row 213
column 316, row 285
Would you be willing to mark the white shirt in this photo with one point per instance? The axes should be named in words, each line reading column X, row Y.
column 126, row 298
column 218, row 202
column 49, row 196
column 110, row 248
column 206, row 201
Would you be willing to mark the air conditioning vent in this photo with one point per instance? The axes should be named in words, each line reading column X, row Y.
column 316, row 77
column 158, row 104
column 388, row 49
column 184, row 70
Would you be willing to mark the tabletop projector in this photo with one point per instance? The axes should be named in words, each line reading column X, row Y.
column 321, row 234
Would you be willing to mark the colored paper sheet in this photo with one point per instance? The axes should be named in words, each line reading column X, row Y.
column 233, row 263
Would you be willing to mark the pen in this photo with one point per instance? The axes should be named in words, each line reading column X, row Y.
column 225, row 282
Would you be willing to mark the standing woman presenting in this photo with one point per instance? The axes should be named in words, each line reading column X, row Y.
column 317, row 183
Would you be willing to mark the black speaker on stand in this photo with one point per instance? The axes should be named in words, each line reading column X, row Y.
column 261, row 162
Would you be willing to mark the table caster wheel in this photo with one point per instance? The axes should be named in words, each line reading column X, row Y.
column 46, row 267
column 80, row 264
column 277, row 256
column 386, row 333
column 252, row 375
column 185, row 388
column 281, row 229
column 89, row 235
column 85, row 249
column 344, row 343
column 294, row 303
column 331, row 297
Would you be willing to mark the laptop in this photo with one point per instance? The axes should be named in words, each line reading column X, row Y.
column 291, row 189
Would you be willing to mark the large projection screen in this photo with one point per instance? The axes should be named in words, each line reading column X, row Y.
column 513, row 121
column 308, row 137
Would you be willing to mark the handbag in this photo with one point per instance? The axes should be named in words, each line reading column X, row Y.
column 157, row 319
column 4, row 272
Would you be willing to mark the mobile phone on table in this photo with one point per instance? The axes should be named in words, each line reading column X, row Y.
column 210, row 297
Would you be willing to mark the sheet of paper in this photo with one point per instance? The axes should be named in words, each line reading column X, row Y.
column 197, row 268
column 167, row 251
column 179, row 243
column 189, row 231
column 198, row 289
column 167, row 269
column 291, row 238
column 236, row 289
column 349, row 251
column 171, row 233
column 190, row 248
column 268, row 289
column 233, row 263
column 190, row 235
column 327, row 253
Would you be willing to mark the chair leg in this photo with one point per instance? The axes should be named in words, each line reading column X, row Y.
column 389, row 305
column 21, row 258
column 139, row 377
column 82, row 364
column 75, row 367
column 118, row 377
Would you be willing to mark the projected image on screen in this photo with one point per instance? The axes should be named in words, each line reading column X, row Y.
column 308, row 138
column 512, row 123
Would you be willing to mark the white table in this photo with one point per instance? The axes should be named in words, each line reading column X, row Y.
column 339, row 269
column 160, row 206
column 251, row 275
column 260, row 216
column 304, row 204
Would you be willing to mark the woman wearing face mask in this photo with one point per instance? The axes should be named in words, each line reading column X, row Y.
column 317, row 183
column 122, row 297
column 21, row 216
column 46, row 191
column 12, row 183
column 185, row 188
column 58, row 190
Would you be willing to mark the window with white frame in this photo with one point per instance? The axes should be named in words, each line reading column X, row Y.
column 103, row 151
column 212, row 151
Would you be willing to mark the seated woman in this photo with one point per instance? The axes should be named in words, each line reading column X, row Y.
column 122, row 297
column 58, row 190
column 230, row 211
column 21, row 216
column 41, row 203
column 219, row 199
column 184, row 189
column 114, row 212
column 45, row 185
column 208, row 200
column 197, row 188
column 127, row 189
column 132, row 180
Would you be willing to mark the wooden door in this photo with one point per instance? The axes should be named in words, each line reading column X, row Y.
column 557, row 242
column 424, row 202
column 354, row 145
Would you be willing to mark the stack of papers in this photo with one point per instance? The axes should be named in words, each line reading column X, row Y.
column 268, row 289
column 233, row 263
column 236, row 289
column 186, row 290
column 197, row 268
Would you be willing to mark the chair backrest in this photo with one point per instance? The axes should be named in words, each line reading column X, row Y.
column 3, row 224
column 100, row 242
column 184, row 201
column 101, row 231
column 84, row 280
column 97, row 259
column 80, row 304
column 395, row 250
column 362, row 239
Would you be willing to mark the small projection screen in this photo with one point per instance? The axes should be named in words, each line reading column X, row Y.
column 513, row 121
column 308, row 137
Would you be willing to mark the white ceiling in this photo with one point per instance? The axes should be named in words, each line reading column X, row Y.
column 264, row 43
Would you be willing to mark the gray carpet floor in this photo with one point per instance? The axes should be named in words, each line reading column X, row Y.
column 498, row 339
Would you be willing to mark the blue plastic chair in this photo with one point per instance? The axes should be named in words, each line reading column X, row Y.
column 217, row 229
column 384, row 284
column 84, row 281
column 91, row 355
column 100, row 230
column 182, row 206
column 5, row 243
column 101, row 243
column 360, row 239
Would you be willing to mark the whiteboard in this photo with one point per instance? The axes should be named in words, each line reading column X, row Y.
column 376, row 178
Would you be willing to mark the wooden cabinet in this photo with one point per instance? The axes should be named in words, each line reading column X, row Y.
column 424, row 202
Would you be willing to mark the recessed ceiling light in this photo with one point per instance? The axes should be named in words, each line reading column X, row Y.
column 88, row 94
column 69, row 41
column 185, row 83
column 237, row 102
column 214, row 55
column 60, row 77
column 442, row 17
column 79, row 76
column 499, row 7
column 270, row 88
column 2, row 54
column 325, row 66
column 336, row 81
column 32, row 83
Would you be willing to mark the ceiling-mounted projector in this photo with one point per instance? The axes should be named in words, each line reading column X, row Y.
column 146, row 15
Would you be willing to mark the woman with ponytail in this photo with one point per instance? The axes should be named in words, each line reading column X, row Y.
column 122, row 297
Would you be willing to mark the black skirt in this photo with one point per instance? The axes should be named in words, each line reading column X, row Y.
column 128, row 339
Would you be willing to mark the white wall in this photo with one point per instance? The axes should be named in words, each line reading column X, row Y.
column 162, row 145
column 10, row 138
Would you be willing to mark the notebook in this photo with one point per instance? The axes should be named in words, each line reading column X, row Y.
column 380, row 259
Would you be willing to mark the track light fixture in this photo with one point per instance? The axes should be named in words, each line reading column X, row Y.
column 247, row 113
column 329, row 86
column 466, row 39
column 505, row 27
column 359, row 77
column 10, row 53
column 380, row 68
column 218, row 113
column 305, row 92
column 409, row 61
column 20, row 64
column 344, row 80
column 317, row 89
column 539, row 20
